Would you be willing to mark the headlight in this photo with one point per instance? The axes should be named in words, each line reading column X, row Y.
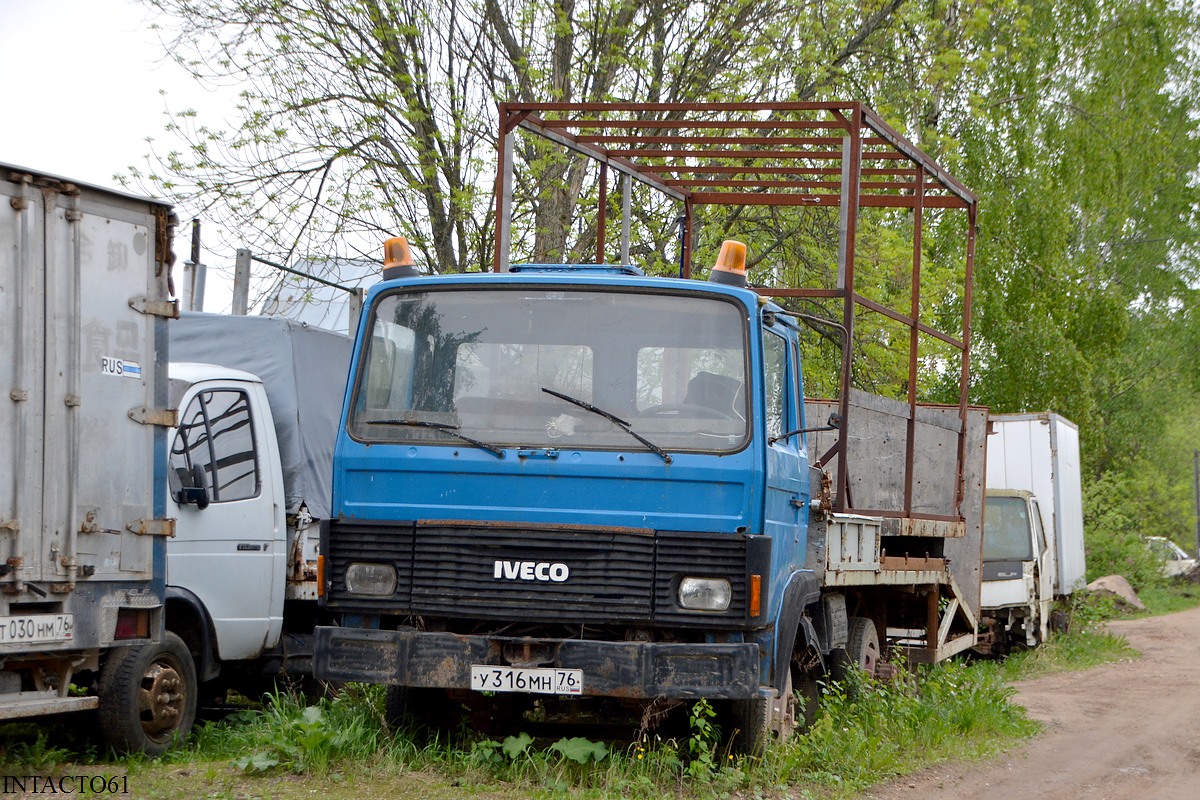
column 705, row 594
column 377, row 580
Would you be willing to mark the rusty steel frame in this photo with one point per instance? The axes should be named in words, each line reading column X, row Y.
column 691, row 165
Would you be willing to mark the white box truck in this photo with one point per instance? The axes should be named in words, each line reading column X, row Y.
column 1033, row 552
column 84, row 304
column 157, row 519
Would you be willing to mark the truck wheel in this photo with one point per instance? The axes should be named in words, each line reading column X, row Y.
column 147, row 696
column 748, row 725
column 808, row 697
column 429, row 711
column 862, row 645
column 753, row 724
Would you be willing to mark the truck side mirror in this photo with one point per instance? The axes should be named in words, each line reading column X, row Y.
column 835, row 422
column 194, row 492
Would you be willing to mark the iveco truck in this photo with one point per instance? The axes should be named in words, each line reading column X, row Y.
column 569, row 490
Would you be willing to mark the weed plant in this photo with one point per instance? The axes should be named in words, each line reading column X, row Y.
column 868, row 731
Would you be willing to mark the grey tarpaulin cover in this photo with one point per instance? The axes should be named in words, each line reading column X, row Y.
column 304, row 371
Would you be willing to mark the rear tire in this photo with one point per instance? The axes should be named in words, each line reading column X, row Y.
column 148, row 696
column 862, row 646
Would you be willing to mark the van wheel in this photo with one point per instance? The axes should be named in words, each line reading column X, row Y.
column 147, row 696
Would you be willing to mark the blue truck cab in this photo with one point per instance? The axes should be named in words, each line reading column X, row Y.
column 574, row 482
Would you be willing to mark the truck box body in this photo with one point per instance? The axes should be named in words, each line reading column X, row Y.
column 876, row 458
column 83, row 325
column 1039, row 453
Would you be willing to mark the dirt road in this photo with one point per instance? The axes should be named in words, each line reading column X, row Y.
column 1122, row 731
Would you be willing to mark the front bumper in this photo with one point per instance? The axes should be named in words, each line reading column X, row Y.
column 638, row 670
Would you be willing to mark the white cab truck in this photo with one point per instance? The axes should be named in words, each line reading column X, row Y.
column 249, row 471
column 155, row 517
column 1033, row 551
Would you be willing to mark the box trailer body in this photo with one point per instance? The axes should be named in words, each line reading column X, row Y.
column 84, row 306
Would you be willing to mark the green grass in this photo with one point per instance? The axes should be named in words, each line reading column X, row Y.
column 951, row 711
column 287, row 750
column 1067, row 652
column 340, row 747
column 1174, row 595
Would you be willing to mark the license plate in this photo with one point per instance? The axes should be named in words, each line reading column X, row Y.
column 37, row 628
column 534, row 680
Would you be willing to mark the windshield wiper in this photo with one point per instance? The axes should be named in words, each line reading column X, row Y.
column 613, row 418
column 440, row 426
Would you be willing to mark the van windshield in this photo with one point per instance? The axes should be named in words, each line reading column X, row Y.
column 1006, row 534
column 519, row 367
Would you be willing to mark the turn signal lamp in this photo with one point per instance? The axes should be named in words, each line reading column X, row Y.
column 755, row 595
column 397, row 259
column 730, row 268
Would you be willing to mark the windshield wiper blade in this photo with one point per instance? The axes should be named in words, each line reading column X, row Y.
column 614, row 419
column 440, row 426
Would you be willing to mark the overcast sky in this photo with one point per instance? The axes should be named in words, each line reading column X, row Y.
column 82, row 87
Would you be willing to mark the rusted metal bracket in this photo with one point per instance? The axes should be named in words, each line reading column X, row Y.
column 13, row 525
column 153, row 527
column 164, row 417
column 158, row 308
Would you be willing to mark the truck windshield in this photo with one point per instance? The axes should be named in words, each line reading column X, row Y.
column 489, row 362
column 1006, row 535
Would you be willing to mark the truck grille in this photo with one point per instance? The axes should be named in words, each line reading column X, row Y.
column 553, row 575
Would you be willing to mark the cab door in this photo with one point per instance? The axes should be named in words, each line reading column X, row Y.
column 229, row 548
column 787, row 458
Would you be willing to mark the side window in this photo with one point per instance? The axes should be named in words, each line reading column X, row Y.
column 775, row 372
column 215, row 434
column 1039, row 534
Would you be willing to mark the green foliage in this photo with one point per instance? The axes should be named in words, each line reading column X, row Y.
column 889, row 728
column 1117, row 517
column 1072, row 121
column 703, row 742
column 287, row 735
column 580, row 750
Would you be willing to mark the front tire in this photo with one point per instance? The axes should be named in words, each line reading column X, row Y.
column 148, row 696
column 754, row 724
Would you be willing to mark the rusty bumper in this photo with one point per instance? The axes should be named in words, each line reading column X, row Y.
column 610, row 669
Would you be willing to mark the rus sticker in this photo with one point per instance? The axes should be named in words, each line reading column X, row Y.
column 119, row 367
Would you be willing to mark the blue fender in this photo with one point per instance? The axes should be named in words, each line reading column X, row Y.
column 802, row 590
